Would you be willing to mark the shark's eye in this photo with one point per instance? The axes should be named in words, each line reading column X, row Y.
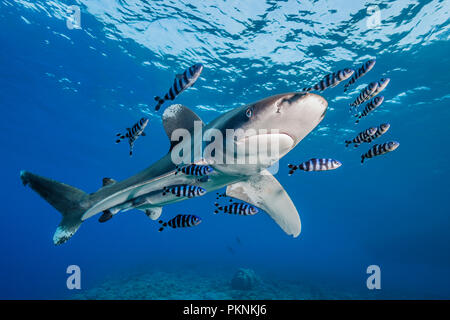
column 249, row 113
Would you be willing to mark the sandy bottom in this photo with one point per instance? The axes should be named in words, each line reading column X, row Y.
column 195, row 285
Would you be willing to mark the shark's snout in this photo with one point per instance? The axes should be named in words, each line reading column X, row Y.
column 300, row 114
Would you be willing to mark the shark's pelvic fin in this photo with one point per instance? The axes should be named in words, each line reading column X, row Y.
column 69, row 201
column 153, row 213
column 265, row 192
column 178, row 116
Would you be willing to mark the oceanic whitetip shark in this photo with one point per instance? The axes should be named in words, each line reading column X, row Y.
column 284, row 118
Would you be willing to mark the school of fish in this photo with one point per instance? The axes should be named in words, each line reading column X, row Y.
column 368, row 93
column 189, row 77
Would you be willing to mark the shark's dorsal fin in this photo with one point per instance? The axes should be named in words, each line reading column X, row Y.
column 265, row 192
column 178, row 116
column 108, row 181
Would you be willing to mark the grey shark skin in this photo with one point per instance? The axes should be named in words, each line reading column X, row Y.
column 293, row 115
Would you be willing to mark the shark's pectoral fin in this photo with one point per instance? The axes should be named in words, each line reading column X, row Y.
column 265, row 192
column 178, row 116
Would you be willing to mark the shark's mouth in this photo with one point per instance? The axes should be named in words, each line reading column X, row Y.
column 266, row 147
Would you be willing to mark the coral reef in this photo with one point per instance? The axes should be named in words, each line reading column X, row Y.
column 244, row 279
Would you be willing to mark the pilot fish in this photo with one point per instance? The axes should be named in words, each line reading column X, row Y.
column 365, row 94
column 181, row 221
column 372, row 105
column 240, row 208
column 181, row 83
column 133, row 133
column 184, row 190
column 331, row 80
column 366, row 67
column 315, row 165
column 382, row 129
column 379, row 149
column 195, row 170
column 382, row 84
column 363, row 136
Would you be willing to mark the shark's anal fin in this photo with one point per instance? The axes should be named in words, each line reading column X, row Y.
column 178, row 116
column 265, row 192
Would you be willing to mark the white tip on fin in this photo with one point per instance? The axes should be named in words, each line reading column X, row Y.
column 153, row 213
column 66, row 230
column 265, row 192
column 178, row 116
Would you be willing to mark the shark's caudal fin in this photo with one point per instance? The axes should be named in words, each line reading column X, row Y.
column 265, row 192
column 69, row 201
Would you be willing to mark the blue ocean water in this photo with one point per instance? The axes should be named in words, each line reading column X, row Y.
column 66, row 92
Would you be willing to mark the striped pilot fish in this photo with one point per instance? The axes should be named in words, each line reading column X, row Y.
column 382, row 129
column 315, row 165
column 195, row 170
column 372, row 105
column 363, row 136
column 379, row 149
column 365, row 94
column 133, row 133
column 331, row 80
column 184, row 190
column 240, row 208
column 181, row 221
column 382, row 84
column 366, row 67
column 181, row 83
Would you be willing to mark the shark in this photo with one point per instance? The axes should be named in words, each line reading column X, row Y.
column 277, row 122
